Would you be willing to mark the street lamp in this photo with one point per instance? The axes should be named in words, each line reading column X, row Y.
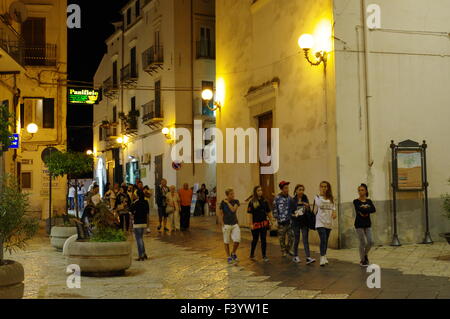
column 32, row 128
column 166, row 132
column 306, row 42
column 89, row 152
column 207, row 96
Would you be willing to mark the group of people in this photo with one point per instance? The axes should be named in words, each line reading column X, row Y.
column 79, row 192
column 295, row 217
column 174, row 206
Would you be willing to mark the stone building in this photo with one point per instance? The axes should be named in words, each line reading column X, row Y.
column 33, row 79
column 158, row 60
column 389, row 82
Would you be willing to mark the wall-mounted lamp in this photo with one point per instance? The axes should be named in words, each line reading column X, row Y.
column 306, row 42
column 168, row 135
column 208, row 96
column 89, row 152
column 123, row 140
column 32, row 129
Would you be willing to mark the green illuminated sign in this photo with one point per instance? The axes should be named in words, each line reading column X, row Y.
column 84, row 96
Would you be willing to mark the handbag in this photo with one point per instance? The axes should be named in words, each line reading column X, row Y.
column 170, row 209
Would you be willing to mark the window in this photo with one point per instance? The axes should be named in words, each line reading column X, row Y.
column 26, row 180
column 138, row 8
column 205, row 110
column 128, row 16
column 33, row 32
column 157, row 98
column 133, row 63
column 100, row 133
column 205, row 46
column 114, row 115
column 114, row 74
column 39, row 111
column 133, row 104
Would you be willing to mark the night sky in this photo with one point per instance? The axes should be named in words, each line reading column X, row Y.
column 86, row 47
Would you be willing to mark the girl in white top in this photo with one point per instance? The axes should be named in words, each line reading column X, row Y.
column 326, row 211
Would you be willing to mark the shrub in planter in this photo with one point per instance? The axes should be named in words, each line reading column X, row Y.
column 16, row 228
column 107, row 252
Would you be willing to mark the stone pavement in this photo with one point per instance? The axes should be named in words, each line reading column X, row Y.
column 191, row 265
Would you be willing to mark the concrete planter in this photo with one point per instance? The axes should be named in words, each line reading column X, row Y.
column 11, row 280
column 446, row 236
column 99, row 259
column 59, row 235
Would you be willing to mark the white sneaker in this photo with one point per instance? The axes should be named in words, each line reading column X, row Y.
column 326, row 260
column 322, row 261
column 296, row 259
column 310, row 260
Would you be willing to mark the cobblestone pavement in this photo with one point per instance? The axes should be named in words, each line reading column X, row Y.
column 191, row 265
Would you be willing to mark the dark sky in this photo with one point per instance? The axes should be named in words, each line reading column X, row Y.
column 86, row 47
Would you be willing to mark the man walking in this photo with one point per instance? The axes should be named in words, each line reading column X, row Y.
column 186, row 200
column 281, row 212
column 229, row 222
column 161, row 191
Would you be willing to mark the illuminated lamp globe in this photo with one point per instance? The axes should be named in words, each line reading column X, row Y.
column 126, row 139
column 207, row 95
column 306, row 41
column 89, row 152
column 32, row 128
column 119, row 140
column 165, row 131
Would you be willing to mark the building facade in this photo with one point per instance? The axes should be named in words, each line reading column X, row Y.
column 33, row 76
column 337, row 123
column 158, row 60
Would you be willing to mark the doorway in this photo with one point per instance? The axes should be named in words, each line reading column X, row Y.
column 158, row 170
column 267, row 181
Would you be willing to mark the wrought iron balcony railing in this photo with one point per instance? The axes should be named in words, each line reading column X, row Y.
column 110, row 87
column 40, row 54
column 153, row 58
column 11, row 42
column 129, row 74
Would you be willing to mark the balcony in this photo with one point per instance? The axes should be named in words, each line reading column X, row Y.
column 110, row 88
column 40, row 54
column 153, row 59
column 11, row 46
column 129, row 75
column 152, row 115
column 130, row 122
column 206, row 49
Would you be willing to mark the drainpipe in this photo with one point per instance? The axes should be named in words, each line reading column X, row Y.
column 366, row 86
column 192, row 88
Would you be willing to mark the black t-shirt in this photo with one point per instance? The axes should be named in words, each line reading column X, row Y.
column 363, row 211
column 229, row 217
column 259, row 213
column 297, row 204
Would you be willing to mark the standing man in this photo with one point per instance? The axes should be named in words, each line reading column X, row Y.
column 81, row 194
column 229, row 222
column 281, row 212
column 186, row 200
column 161, row 191
column 71, row 197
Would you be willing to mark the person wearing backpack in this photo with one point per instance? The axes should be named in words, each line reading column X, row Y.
column 299, row 209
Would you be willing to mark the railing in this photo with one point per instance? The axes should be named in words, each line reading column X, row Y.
column 109, row 85
column 128, row 73
column 40, row 55
column 131, row 123
column 206, row 49
column 152, row 56
column 11, row 42
column 151, row 111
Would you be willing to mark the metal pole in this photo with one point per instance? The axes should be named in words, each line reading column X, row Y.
column 50, row 202
column 395, row 240
column 427, row 239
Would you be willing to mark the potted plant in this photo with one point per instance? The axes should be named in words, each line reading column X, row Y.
column 107, row 252
column 16, row 228
column 60, row 233
column 446, row 206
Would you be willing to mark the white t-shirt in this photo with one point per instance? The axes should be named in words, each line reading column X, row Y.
column 324, row 213
column 72, row 191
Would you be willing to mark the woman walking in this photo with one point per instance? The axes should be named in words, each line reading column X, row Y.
column 173, row 209
column 299, row 208
column 259, row 210
column 326, row 212
column 140, row 211
column 363, row 208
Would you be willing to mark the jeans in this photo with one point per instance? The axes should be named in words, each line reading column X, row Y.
column 185, row 216
column 305, row 232
column 161, row 213
column 324, row 235
column 71, row 203
column 283, row 232
column 139, row 234
column 259, row 233
column 81, row 202
column 365, row 241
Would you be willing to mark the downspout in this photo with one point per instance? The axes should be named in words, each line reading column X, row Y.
column 119, row 80
column 366, row 87
column 192, row 89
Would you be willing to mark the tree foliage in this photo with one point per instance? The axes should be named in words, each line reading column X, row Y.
column 105, row 229
column 5, row 125
column 69, row 163
column 16, row 228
